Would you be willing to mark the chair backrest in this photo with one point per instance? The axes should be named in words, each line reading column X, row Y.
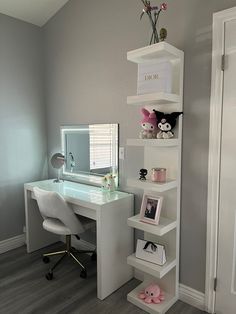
column 53, row 205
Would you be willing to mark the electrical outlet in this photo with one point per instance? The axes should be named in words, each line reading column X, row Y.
column 122, row 153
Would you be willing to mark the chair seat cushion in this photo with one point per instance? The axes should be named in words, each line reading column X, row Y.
column 55, row 226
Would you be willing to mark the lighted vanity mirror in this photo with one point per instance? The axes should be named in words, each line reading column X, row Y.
column 91, row 151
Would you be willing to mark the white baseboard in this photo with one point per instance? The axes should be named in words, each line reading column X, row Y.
column 186, row 294
column 192, row 297
column 12, row 243
column 18, row 241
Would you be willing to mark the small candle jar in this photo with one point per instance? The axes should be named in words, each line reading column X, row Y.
column 158, row 175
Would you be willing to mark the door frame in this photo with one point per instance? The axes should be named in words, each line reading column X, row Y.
column 217, row 77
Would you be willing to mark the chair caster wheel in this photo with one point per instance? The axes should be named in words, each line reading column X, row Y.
column 46, row 259
column 83, row 274
column 94, row 257
column 49, row 276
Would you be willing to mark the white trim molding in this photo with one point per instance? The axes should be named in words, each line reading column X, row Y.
column 217, row 78
column 12, row 243
column 192, row 297
column 20, row 240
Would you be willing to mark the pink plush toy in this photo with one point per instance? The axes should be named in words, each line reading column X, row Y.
column 149, row 124
column 152, row 294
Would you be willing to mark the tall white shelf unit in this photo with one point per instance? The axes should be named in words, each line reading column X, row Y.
column 167, row 154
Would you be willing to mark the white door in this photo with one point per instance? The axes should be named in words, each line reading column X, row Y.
column 226, row 265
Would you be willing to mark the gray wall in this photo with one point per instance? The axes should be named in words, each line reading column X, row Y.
column 88, row 80
column 22, row 119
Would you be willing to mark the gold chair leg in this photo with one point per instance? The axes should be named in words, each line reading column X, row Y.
column 77, row 261
column 67, row 252
column 55, row 253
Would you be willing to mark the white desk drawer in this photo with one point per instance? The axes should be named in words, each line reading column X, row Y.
column 85, row 211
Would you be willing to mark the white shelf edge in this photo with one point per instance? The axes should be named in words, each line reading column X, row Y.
column 154, row 52
column 152, row 186
column 153, row 142
column 151, row 268
column 151, row 308
column 165, row 225
column 154, row 98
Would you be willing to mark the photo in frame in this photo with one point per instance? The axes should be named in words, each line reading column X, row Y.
column 151, row 208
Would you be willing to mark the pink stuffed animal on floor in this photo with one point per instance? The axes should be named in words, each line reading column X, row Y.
column 152, row 294
column 149, row 124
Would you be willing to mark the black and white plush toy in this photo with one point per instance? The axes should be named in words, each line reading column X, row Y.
column 166, row 122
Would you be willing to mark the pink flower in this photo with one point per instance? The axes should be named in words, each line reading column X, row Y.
column 164, row 6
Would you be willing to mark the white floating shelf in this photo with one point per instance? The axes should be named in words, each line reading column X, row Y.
column 151, row 308
column 165, row 225
column 152, row 186
column 153, row 142
column 154, row 98
column 150, row 268
column 157, row 52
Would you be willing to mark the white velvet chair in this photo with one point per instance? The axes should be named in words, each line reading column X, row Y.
column 60, row 219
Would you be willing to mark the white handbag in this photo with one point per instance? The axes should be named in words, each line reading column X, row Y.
column 151, row 252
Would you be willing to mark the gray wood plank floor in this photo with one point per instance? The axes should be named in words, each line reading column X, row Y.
column 24, row 289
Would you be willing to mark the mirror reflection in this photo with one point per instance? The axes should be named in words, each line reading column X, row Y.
column 90, row 149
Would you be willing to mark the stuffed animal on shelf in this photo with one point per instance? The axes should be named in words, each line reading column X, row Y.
column 166, row 123
column 152, row 294
column 149, row 124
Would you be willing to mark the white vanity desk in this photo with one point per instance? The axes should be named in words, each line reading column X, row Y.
column 114, row 237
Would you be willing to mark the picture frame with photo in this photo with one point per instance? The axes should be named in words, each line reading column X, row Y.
column 151, row 208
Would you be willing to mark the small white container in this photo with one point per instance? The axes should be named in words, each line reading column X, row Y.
column 154, row 78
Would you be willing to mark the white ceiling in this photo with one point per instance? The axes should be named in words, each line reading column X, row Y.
column 37, row 12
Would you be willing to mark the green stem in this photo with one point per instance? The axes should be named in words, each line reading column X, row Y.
column 155, row 23
column 154, row 30
column 155, row 36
